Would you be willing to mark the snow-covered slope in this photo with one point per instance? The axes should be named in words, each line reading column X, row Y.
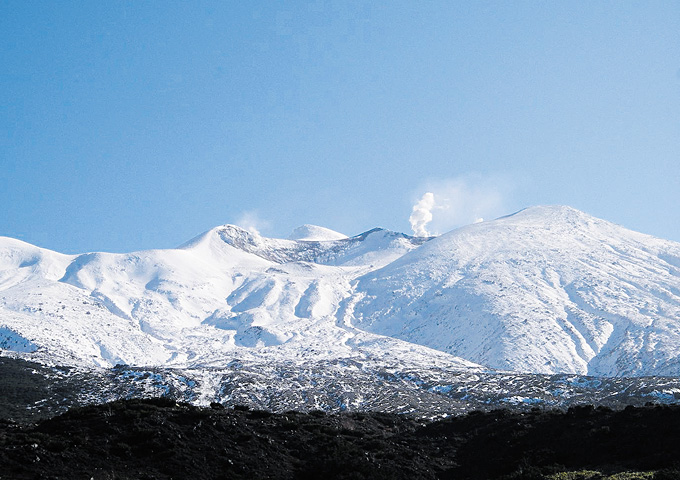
column 549, row 289
column 226, row 294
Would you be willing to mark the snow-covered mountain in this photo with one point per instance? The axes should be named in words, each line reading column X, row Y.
column 549, row 289
column 226, row 294
column 546, row 290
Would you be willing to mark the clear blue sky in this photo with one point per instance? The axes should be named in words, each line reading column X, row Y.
column 134, row 125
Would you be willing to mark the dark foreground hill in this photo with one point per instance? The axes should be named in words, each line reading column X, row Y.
column 161, row 439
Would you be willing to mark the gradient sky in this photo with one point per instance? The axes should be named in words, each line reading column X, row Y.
column 135, row 125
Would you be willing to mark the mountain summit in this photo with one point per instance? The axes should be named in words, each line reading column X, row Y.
column 313, row 233
column 547, row 290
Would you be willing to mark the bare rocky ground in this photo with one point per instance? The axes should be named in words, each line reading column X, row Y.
column 30, row 391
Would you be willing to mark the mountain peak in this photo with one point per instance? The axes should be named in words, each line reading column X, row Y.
column 314, row 233
column 551, row 211
column 548, row 289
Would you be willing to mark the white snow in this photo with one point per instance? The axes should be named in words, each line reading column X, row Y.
column 549, row 289
column 314, row 233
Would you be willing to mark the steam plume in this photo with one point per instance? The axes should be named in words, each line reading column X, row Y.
column 460, row 200
column 252, row 222
column 422, row 215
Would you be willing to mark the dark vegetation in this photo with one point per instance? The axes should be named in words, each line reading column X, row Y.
column 162, row 439
column 19, row 386
column 29, row 390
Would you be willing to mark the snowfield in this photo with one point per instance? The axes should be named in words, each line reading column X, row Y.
column 546, row 290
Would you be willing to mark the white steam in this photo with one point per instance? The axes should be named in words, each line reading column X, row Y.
column 422, row 215
column 460, row 201
column 252, row 222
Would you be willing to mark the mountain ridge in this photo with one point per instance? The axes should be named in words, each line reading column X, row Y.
column 548, row 289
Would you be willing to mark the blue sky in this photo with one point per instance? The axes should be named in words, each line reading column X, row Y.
column 134, row 125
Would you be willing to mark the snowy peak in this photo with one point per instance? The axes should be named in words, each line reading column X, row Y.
column 546, row 214
column 545, row 290
column 314, row 233
column 548, row 289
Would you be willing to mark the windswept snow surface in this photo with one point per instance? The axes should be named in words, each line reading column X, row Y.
column 547, row 290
